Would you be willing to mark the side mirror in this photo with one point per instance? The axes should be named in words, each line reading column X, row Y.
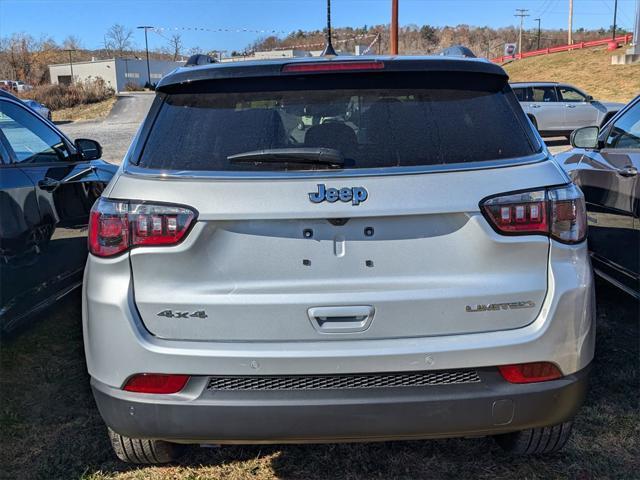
column 585, row 137
column 589, row 98
column 88, row 149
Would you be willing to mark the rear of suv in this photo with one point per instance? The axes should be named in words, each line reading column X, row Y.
column 337, row 249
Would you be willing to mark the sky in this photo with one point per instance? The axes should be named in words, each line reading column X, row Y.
column 90, row 19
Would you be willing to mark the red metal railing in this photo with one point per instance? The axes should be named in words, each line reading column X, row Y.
column 563, row 48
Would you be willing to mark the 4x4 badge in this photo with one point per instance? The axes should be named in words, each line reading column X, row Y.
column 176, row 314
column 355, row 195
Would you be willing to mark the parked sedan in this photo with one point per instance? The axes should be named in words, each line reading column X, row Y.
column 38, row 108
column 47, row 187
column 605, row 164
column 556, row 109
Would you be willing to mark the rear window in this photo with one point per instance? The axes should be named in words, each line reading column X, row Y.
column 373, row 120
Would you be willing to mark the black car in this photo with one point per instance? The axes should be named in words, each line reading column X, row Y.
column 47, row 187
column 605, row 164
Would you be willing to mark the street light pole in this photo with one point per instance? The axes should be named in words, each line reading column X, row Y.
column 146, row 47
column 69, row 50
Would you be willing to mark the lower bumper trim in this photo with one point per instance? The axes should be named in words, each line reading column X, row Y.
column 490, row 407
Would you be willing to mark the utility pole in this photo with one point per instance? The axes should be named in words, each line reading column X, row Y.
column 538, row 20
column 615, row 14
column 69, row 50
column 570, row 37
column 146, row 46
column 328, row 49
column 521, row 13
column 394, row 27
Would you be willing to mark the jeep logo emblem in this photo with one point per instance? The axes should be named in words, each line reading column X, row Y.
column 355, row 195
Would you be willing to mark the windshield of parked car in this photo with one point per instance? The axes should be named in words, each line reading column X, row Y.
column 372, row 121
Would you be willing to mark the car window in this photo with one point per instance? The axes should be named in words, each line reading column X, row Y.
column 374, row 122
column 625, row 132
column 544, row 94
column 568, row 94
column 31, row 140
column 521, row 94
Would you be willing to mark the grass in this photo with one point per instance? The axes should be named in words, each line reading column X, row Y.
column 50, row 428
column 589, row 69
column 92, row 111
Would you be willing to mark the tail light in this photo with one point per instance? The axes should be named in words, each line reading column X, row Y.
column 156, row 383
column 117, row 225
column 557, row 212
column 530, row 372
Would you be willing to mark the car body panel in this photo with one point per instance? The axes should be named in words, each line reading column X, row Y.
column 269, row 274
column 613, row 205
column 45, row 231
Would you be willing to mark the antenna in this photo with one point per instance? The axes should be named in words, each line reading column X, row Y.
column 328, row 49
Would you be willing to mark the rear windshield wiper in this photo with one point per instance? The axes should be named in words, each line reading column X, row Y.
column 315, row 156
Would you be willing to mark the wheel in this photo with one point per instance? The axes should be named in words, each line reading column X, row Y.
column 536, row 441
column 140, row 450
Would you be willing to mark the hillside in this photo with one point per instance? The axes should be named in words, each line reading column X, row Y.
column 589, row 69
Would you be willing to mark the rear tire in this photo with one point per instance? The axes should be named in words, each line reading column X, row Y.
column 140, row 450
column 536, row 441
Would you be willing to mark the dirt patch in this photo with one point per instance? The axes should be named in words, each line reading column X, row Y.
column 93, row 111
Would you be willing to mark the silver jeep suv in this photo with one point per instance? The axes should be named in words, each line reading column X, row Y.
column 337, row 249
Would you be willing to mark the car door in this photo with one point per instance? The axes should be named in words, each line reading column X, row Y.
column 578, row 112
column 544, row 105
column 609, row 179
column 19, row 232
column 59, row 188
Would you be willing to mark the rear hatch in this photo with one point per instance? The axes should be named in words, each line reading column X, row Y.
column 388, row 242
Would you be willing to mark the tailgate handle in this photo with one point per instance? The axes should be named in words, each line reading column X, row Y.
column 342, row 319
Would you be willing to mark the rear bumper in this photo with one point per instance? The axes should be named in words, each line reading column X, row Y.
column 198, row 415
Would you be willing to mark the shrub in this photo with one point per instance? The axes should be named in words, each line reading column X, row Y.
column 57, row 97
column 133, row 87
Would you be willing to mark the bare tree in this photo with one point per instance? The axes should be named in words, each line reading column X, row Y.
column 72, row 43
column 175, row 44
column 119, row 38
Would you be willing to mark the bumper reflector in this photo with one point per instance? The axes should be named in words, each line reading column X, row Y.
column 156, row 383
column 530, row 372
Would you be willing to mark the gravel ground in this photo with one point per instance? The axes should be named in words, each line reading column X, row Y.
column 117, row 130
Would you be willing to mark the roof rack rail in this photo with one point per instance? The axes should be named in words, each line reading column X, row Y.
column 199, row 59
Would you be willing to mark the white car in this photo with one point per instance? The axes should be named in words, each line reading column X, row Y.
column 557, row 109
